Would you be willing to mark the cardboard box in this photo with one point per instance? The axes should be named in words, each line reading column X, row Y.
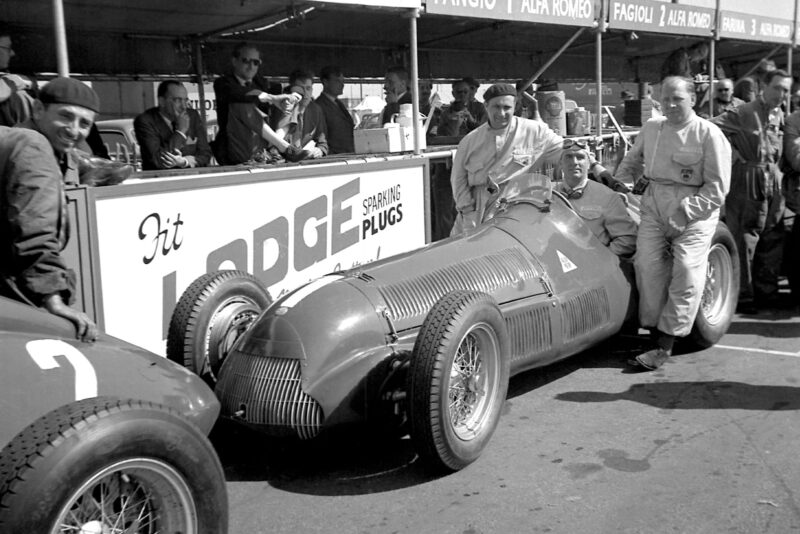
column 383, row 140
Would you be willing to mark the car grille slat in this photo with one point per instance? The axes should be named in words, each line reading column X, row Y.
column 584, row 313
column 415, row 296
column 270, row 390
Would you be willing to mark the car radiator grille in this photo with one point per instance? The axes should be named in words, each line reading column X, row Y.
column 583, row 313
column 269, row 392
column 413, row 297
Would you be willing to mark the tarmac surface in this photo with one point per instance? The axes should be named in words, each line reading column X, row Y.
column 709, row 443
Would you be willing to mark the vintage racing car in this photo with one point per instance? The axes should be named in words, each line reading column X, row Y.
column 427, row 340
column 101, row 438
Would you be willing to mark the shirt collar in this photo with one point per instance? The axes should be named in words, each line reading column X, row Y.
column 575, row 192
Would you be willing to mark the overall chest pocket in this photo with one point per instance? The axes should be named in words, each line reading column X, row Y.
column 590, row 213
column 522, row 157
column 475, row 172
column 688, row 165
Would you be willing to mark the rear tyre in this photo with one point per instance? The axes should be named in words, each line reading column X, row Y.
column 721, row 292
column 458, row 379
column 107, row 465
column 210, row 316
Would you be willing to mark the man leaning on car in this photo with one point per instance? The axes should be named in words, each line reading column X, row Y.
column 681, row 165
column 36, row 160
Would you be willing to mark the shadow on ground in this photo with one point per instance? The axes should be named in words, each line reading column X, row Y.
column 706, row 395
column 350, row 461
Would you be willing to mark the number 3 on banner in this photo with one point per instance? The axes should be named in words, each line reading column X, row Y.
column 43, row 353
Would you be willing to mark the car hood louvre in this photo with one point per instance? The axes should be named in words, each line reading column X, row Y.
column 413, row 297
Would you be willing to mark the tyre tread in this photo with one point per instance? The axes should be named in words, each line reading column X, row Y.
column 35, row 442
column 440, row 324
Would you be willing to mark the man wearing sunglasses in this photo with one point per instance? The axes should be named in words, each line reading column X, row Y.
column 723, row 99
column 243, row 103
column 603, row 210
column 685, row 162
column 456, row 119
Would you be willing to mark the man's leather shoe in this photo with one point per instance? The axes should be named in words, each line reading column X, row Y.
column 652, row 359
column 295, row 154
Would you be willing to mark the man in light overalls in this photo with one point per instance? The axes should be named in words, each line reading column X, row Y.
column 683, row 163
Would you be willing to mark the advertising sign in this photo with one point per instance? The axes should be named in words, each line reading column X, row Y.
column 754, row 27
column 285, row 232
column 569, row 12
column 660, row 17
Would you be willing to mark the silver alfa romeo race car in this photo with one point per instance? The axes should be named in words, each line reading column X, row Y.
column 101, row 438
column 425, row 342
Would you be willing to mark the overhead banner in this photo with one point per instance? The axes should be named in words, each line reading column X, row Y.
column 660, row 17
column 411, row 4
column 744, row 26
column 569, row 12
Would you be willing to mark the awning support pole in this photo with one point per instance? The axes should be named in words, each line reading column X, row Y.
column 413, row 14
column 598, row 63
column 550, row 61
column 712, row 62
column 790, row 58
column 198, row 69
column 62, row 58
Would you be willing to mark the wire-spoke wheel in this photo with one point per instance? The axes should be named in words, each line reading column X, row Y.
column 138, row 495
column 111, row 466
column 458, row 379
column 720, row 293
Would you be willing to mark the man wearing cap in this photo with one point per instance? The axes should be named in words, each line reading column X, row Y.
column 498, row 150
column 172, row 135
column 36, row 160
column 682, row 168
column 602, row 209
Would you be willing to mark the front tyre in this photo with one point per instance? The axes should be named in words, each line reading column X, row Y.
column 111, row 466
column 721, row 291
column 458, row 379
column 212, row 313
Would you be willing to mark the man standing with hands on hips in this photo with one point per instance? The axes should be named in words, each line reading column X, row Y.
column 682, row 167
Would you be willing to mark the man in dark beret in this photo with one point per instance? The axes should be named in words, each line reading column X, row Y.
column 498, row 150
column 36, row 161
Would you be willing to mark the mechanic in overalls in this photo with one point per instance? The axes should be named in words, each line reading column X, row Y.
column 681, row 165
column 501, row 148
column 754, row 207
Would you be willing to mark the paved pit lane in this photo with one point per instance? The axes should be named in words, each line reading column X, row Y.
column 706, row 444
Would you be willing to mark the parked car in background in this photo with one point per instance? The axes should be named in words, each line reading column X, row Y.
column 120, row 139
column 102, row 437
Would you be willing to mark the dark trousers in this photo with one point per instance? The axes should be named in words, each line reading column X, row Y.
column 754, row 214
